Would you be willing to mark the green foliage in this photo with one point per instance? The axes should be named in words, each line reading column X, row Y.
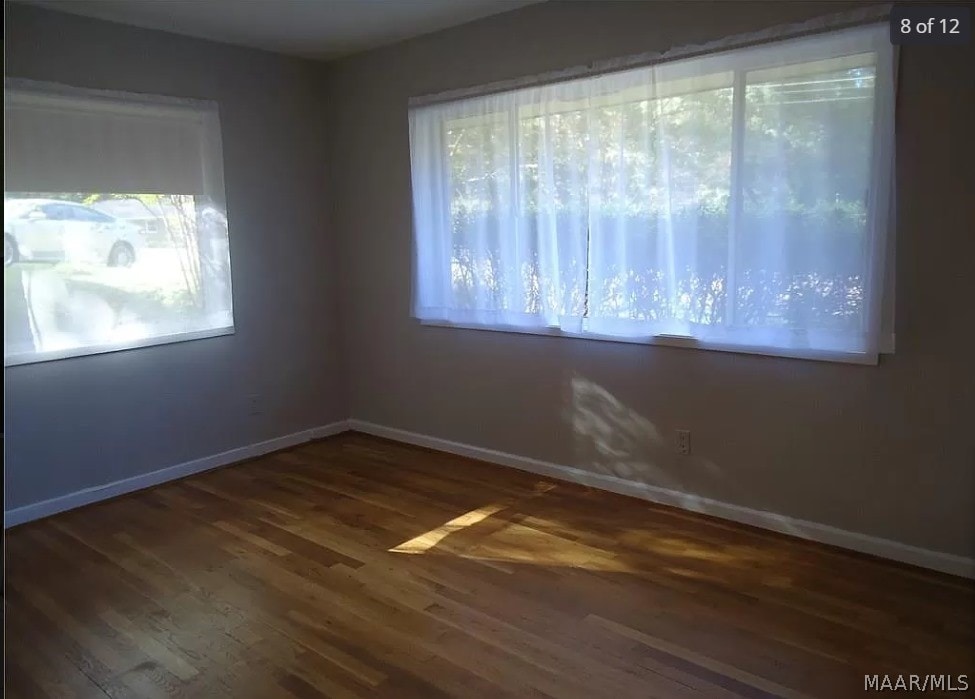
column 623, row 175
column 806, row 148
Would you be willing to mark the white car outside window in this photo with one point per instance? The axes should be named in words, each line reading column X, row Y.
column 49, row 230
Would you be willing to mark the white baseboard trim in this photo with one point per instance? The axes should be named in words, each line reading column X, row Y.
column 87, row 496
column 813, row 531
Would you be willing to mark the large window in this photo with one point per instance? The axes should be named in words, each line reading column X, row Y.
column 737, row 201
column 114, row 224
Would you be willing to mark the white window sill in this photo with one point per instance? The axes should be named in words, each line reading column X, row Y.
column 686, row 342
column 74, row 352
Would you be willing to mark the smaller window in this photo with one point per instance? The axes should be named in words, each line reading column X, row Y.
column 153, row 265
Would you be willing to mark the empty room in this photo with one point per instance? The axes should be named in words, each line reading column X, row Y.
column 488, row 348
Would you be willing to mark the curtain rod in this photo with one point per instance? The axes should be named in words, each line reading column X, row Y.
column 839, row 20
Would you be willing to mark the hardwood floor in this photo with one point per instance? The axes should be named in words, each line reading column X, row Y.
column 358, row 567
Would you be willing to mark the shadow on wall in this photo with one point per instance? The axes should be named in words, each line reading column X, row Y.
column 611, row 439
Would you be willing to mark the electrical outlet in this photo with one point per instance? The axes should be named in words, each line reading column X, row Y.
column 254, row 404
column 683, row 442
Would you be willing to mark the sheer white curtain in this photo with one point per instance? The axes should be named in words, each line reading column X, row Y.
column 736, row 200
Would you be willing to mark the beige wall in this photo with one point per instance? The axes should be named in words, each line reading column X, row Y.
column 80, row 423
column 322, row 294
column 886, row 450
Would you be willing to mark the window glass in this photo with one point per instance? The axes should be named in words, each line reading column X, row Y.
column 114, row 232
column 734, row 201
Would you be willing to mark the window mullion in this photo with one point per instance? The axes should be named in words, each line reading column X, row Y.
column 735, row 195
column 515, row 204
column 591, row 145
column 514, row 151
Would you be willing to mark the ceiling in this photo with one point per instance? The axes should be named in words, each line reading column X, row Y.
column 319, row 29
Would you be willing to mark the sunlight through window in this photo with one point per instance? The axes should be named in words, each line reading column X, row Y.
column 737, row 200
column 115, row 231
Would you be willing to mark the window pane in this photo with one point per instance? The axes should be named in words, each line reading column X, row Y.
column 478, row 152
column 553, row 212
column 76, row 277
column 737, row 200
column 806, row 175
column 660, row 227
column 115, row 235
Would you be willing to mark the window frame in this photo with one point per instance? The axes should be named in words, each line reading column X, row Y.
column 18, row 360
column 205, row 114
column 878, row 313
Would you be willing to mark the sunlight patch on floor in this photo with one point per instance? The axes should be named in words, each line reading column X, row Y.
column 428, row 540
column 512, row 543
column 539, row 541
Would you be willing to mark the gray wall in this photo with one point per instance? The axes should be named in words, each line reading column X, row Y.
column 83, row 422
column 885, row 450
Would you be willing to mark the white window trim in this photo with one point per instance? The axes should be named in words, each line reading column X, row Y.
column 91, row 350
column 683, row 342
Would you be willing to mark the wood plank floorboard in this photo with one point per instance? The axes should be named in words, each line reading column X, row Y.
column 359, row 567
